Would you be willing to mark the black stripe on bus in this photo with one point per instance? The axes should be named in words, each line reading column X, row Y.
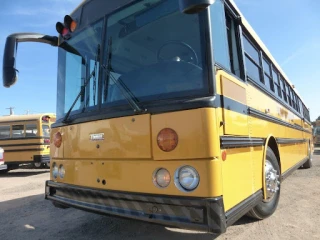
column 23, row 144
column 233, row 105
column 290, row 140
column 25, row 150
column 238, row 142
column 263, row 116
column 23, row 138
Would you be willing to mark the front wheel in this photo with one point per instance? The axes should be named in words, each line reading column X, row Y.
column 272, row 184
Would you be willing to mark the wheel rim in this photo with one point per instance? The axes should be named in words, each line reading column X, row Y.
column 271, row 180
column 37, row 165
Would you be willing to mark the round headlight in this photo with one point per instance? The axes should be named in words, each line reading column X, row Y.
column 62, row 171
column 161, row 177
column 187, row 178
column 55, row 170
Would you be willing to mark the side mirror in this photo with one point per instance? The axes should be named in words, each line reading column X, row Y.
column 194, row 6
column 9, row 71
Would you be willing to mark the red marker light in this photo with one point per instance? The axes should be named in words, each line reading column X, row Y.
column 70, row 23
column 61, row 29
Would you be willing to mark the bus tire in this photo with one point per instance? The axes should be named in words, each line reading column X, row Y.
column 37, row 165
column 268, row 206
column 308, row 163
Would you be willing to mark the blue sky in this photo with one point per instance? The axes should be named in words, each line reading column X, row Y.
column 289, row 28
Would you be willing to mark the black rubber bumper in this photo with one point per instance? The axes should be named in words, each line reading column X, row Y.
column 204, row 214
column 41, row 158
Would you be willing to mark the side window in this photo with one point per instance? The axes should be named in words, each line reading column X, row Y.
column 17, row 131
column 31, row 130
column 267, row 74
column 219, row 34
column 288, row 94
column 284, row 92
column 234, row 46
column 5, row 131
column 252, row 61
column 276, row 81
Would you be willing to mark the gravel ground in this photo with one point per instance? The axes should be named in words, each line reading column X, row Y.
column 24, row 214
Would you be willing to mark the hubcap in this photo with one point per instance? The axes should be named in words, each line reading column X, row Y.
column 271, row 180
column 37, row 165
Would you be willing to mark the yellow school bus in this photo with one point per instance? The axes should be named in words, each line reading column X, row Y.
column 26, row 139
column 171, row 112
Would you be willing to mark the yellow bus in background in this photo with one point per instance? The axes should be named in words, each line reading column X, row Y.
column 26, row 139
column 316, row 133
column 171, row 112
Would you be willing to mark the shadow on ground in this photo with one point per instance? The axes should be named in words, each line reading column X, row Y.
column 34, row 217
column 25, row 173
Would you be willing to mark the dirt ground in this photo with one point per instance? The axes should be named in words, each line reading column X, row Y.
column 24, row 214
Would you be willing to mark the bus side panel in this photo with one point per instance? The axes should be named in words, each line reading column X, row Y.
column 290, row 153
column 234, row 105
column 19, row 156
column 237, row 173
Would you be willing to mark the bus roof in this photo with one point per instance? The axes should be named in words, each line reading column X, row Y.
column 13, row 118
column 263, row 46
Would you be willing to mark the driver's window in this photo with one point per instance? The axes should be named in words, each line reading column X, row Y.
column 219, row 34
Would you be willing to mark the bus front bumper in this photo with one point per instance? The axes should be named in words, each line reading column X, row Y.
column 203, row 214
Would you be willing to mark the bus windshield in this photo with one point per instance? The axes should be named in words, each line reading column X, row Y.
column 147, row 47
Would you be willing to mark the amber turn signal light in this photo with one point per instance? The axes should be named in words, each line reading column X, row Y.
column 57, row 139
column 167, row 139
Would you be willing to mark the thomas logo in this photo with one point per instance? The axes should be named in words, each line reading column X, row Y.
column 97, row 137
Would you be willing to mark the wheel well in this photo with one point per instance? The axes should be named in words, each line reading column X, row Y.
column 274, row 147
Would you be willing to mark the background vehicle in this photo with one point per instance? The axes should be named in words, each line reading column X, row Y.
column 26, row 139
column 169, row 112
column 316, row 133
column 3, row 167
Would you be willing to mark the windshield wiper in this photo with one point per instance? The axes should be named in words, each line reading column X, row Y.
column 82, row 91
column 132, row 100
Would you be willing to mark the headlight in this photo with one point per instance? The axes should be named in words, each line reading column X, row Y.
column 62, row 171
column 55, row 170
column 186, row 178
column 161, row 177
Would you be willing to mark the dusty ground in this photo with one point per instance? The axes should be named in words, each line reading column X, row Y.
column 24, row 214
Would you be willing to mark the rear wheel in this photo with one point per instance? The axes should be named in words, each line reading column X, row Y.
column 272, row 183
column 308, row 163
column 37, row 165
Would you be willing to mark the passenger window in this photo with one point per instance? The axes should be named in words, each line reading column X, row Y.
column 31, row 130
column 252, row 61
column 4, row 132
column 17, row 131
